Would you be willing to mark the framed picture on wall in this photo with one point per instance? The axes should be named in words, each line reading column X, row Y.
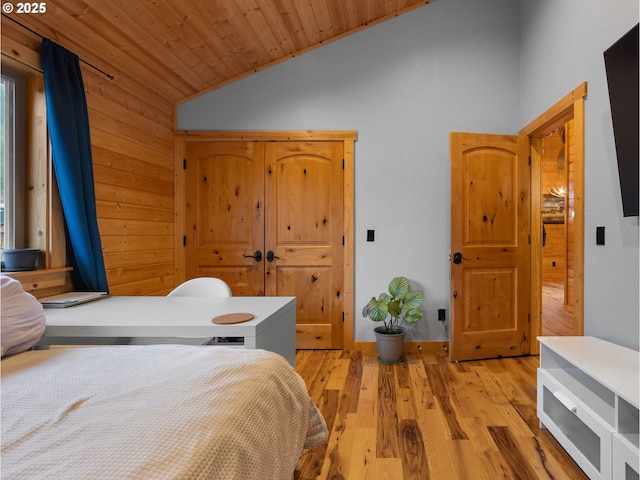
column 552, row 209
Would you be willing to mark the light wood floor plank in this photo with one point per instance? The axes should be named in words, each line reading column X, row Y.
column 512, row 454
column 363, row 457
column 412, row 451
column 439, row 448
column 468, row 464
column 338, row 374
column 387, row 433
column 386, row 469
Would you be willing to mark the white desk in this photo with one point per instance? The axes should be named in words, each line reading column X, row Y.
column 273, row 328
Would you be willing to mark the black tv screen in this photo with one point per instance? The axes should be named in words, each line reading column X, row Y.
column 621, row 64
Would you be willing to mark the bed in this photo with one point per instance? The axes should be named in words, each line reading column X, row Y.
column 154, row 412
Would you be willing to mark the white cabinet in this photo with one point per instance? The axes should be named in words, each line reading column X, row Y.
column 588, row 396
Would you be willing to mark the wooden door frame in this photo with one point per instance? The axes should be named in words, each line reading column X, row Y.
column 571, row 106
column 347, row 137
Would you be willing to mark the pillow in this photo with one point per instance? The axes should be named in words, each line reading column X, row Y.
column 22, row 317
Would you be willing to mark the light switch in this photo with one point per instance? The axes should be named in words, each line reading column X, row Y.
column 599, row 235
column 371, row 235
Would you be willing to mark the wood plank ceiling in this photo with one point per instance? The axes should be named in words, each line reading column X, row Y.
column 181, row 48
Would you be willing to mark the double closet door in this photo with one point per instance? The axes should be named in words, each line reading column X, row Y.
column 267, row 218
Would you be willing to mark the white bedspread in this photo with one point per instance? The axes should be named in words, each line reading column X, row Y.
column 153, row 412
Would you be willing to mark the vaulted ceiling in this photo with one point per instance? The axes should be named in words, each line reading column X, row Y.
column 180, row 48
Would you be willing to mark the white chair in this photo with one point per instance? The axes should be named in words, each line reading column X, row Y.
column 202, row 287
column 196, row 287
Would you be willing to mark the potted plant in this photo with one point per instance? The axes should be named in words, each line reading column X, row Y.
column 393, row 309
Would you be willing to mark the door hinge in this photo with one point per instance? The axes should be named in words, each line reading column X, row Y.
column 184, row 163
column 343, row 163
column 184, row 240
column 528, row 317
column 343, row 316
column 343, row 240
column 529, row 160
column 529, row 239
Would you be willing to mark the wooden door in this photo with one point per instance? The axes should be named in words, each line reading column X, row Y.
column 304, row 231
column 267, row 217
column 490, row 246
column 224, row 214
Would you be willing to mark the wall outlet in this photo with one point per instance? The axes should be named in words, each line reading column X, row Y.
column 442, row 314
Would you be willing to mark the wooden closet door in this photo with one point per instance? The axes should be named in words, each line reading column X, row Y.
column 285, row 200
column 304, row 230
column 224, row 213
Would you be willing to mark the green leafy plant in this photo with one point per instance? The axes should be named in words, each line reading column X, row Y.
column 400, row 305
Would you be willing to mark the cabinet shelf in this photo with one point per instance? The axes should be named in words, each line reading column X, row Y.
column 591, row 393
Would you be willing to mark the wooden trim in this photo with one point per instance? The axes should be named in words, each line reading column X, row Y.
column 578, row 220
column 42, row 283
column 265, row 136
column 20, row 57
column 44, row 227
column 557, row 115
column 435, row 347
column 569, row 107
column 536, row 244
column 37, row 186
column 348, row 334
column 179, row 264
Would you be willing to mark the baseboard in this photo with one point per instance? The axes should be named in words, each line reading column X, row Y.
column 434, row 347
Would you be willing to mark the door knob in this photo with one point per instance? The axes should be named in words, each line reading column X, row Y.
column 271, row 256
column 257, row 256
column 457, row 258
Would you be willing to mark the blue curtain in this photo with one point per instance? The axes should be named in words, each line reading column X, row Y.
column 68, row 123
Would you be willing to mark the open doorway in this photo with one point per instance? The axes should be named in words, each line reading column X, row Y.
column 557, row 269
column 567, row 113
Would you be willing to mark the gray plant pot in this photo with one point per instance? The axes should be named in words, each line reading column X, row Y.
column 390, row 346
column 20, row 259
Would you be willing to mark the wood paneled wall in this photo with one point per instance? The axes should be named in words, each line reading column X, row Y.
column 553, row 174
column 570, row 268
column 553, row 162
column 132, row 139
column 553, row 253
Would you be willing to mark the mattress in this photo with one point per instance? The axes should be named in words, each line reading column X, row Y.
column 154, row 412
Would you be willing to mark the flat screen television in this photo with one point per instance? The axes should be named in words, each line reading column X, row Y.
column 621, row 64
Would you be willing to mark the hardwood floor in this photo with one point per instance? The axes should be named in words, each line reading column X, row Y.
column 555, row 319
column 427, row 418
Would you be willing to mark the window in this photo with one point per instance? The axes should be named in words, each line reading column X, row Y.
column 12, row 160
column 31, row 212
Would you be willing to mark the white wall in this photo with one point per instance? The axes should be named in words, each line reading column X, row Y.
column 569, row 39
column 403, row 85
